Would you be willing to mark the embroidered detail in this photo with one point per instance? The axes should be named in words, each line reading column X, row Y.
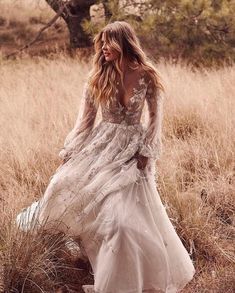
column 115, row 112
column 149, row 141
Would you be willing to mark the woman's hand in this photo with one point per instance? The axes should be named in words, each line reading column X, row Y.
column 141, row 161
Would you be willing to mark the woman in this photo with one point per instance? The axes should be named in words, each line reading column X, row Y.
column 104, row 193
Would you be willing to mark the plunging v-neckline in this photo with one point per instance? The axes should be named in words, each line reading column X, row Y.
column 125, row 106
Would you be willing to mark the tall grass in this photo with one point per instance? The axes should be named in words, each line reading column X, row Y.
column 39, row 101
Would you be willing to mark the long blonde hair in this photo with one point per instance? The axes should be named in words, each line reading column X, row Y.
column 121, row 37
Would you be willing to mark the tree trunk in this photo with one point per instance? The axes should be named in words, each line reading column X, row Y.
column 107, row 12
column 78, row 38
column 74, row 15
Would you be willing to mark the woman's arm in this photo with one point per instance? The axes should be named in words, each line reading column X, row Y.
column 82, row 127
column 151, row 145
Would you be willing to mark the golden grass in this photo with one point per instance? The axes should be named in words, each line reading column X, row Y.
column 39, row 101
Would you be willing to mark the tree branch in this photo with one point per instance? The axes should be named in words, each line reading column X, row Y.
column 49, row 24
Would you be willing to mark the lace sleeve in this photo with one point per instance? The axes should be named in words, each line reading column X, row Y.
column 151, row 144
column 84, row 123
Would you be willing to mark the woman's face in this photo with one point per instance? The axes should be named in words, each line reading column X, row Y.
column 109, row 53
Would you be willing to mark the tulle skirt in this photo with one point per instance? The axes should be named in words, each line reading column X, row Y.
column 100, row 196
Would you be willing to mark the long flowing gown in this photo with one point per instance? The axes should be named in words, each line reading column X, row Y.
column 101, row 196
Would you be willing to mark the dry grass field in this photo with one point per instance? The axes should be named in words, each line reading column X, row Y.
column 39, row 101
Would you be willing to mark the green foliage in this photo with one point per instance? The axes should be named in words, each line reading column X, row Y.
column 201, row 32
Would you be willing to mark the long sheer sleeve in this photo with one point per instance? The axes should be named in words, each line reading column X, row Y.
column 151, row 145
column 83, row 126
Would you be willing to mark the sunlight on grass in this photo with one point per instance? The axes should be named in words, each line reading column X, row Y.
column 39, row 102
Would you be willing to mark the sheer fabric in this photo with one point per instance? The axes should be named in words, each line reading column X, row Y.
column 83, row 125
column 143, row 90
column 152, row 143
column 100, row 197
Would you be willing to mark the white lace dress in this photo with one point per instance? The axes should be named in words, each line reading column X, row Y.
column 101, row 196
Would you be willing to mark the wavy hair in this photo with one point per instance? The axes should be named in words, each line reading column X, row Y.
column 120, row 36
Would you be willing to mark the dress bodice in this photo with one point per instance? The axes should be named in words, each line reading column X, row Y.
column 114, row 111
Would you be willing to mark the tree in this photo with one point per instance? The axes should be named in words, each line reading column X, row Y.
column 74, row 14
column 201, row 32
column 77, row 17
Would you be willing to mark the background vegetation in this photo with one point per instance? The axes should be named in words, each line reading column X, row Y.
column 198, row 32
